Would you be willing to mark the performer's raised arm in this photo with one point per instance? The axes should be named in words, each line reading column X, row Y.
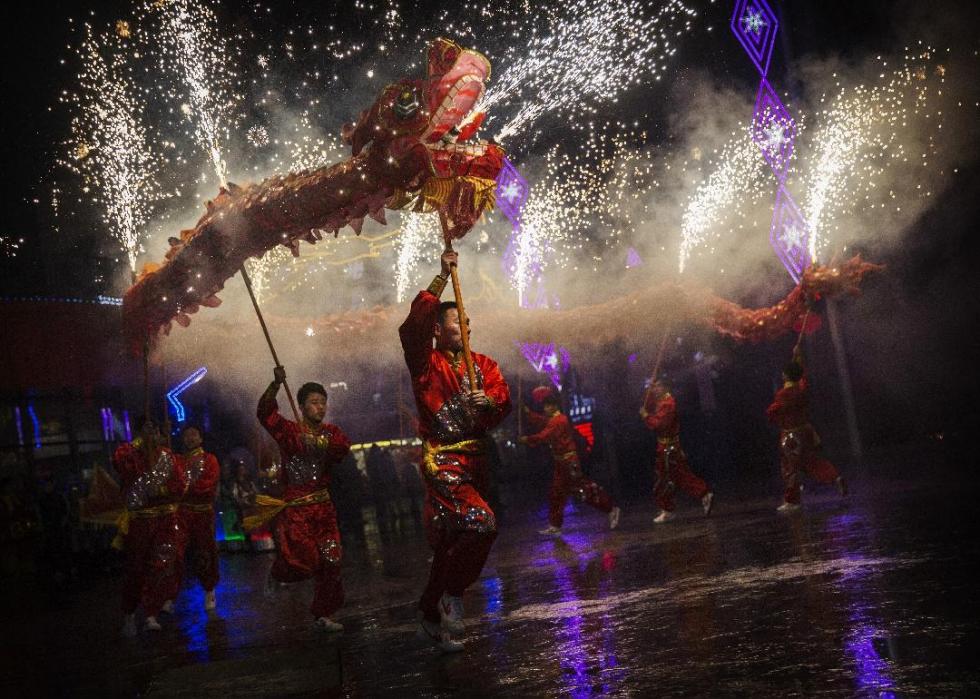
column 417, row 331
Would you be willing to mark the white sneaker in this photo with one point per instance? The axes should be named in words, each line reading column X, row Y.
column 168, row 607
column 614, row 518
column 706, row 502
column 210, row 603
column 451, row 613
column 434, row 633
column 325, row 624
column 129, row 626
column 664, row 516
column 152, row 624
column 788, row 507
column 550, row 531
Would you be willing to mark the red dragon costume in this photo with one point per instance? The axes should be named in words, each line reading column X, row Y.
column 410, row 148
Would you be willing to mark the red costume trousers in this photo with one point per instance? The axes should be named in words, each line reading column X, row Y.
column 798, row 454
column 197, row 541
column 308, row 542
column 460, row 527
column 568, row 481
column 673, row 472
column 152, row 553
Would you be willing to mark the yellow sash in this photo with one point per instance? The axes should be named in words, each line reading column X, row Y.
column 267, row 507
column 122, row 521
column 468, row 446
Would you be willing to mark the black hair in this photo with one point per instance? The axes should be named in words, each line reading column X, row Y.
column 141, row 422
column 307, row 388
column 192, row 426
column 445, row 306
column 793, row 371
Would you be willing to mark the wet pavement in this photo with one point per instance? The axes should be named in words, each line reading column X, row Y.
column 872, row 596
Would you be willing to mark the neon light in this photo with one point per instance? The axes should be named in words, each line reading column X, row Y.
column 37, row 426
column 126, row 427
column 173, row 393
column 20, row 425
column 106, row 424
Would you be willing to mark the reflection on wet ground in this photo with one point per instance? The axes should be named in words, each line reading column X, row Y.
column 870, row 598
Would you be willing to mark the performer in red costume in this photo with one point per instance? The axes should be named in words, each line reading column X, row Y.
column 152, row 481
column 454, row 418
column 305, row 528
column 197, row 516
column 671, row 468
column 798, row 441
column 554, row 429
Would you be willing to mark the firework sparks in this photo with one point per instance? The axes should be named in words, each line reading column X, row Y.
column 420, row 234
column 110, row 145
column 862, row 134
column 191, row 47
column 593, row 52
column 740, row 167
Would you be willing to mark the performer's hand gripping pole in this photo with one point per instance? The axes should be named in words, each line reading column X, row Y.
column 268, row 339
column 464, row 321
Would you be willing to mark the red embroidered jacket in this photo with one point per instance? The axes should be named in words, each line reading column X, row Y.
column 790, row 407
column 557, row 432
column 440, row 382
column 203, row 474
column 664, row 418
column 306, row 456
column 146, row 483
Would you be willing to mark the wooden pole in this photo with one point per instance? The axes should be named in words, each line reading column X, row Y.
column 464, row 321
column 656, row 366
column 520, row 404
column 268, row 339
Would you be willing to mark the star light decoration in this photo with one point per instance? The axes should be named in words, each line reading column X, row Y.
column 755, row 25
column 512, row 193
column 789, row 235
column 773, row 130
column 547, row 359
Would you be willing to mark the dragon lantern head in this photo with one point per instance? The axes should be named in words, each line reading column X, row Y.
column 456, row 80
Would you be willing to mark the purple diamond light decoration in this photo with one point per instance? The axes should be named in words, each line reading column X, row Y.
column 773, row 129
column 755, row 25
column 547, row 359
column 789, row 235
column 633, row 258
column 512, row 191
